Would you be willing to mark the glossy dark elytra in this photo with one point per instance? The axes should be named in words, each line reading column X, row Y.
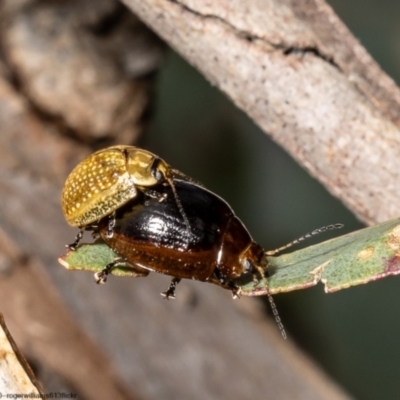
column 151, row 236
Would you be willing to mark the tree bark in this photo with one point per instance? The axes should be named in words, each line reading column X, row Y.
column 298, row 72
column 48, row 333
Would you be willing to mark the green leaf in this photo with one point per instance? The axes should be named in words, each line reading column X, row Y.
column 353, row 259
column 94, row 257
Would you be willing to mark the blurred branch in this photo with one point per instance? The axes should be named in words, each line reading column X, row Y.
column 298, row 72
column 16, row 376
column 47, row 331
column 81, row 68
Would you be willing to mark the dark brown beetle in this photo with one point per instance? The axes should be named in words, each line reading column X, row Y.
column 151, row 235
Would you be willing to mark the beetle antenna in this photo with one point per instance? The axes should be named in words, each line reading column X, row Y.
column 261, row 270
column 276, row 315
column 180, row 207
column 278, row 250
column 186, row 178
column 304, row 237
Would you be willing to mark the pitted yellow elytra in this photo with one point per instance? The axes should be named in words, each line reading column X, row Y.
column 108, row 179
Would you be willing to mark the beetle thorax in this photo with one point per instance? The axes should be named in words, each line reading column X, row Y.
column 139, row 167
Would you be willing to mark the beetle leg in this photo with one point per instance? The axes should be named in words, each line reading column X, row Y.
column 111, row 224
column 170, row 293
column 101, row 277
column 135, row 270
column 78, row 238
column 257, row 270
column 154, row 195
column 236, row 291
column 228, row 283
column 95, row 231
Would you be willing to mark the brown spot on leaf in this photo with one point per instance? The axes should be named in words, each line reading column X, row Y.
column 393, row 264
column 366, row 253
column 393, row 239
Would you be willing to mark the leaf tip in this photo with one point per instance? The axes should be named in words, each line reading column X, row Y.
column 62, row 260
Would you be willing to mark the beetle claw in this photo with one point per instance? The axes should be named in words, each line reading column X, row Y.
column 169, row 294
column 101, row 277
column 236, row 292
column 73, row 246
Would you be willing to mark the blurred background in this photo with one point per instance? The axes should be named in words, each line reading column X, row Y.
column 353, row 334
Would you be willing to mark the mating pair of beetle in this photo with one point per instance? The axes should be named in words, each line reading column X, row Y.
column 158, row 219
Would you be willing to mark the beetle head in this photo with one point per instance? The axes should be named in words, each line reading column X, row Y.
column 145, row 168
column 253, row 259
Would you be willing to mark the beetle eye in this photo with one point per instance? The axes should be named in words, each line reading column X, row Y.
column 158, row 175
column 156, row 172
column 247, row 265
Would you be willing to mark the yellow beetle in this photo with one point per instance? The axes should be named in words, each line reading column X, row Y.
column 108, row 179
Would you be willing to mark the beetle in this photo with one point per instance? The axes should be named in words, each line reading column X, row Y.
column 158, row 219
column 150, row 236
column 108, row 179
